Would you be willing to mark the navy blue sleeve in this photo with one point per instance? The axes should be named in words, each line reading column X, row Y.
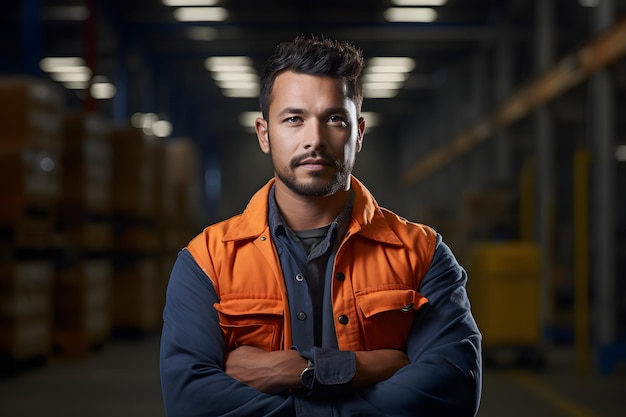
column 444, row 376
column 334, row 371
column 192, row 355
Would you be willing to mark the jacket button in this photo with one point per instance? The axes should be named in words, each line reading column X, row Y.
column 339, row 276
column 301, row 315
column 299, row 278
column 343, row 319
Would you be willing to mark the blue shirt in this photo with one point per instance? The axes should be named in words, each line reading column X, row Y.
column 308, row 278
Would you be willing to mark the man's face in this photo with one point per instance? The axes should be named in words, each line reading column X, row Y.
column 312, row 133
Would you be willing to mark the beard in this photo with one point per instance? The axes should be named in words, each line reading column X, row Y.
column 316, row 185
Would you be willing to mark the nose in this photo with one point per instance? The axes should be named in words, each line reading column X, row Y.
column 315, row 135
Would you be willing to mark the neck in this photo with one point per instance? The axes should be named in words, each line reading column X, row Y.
column 309, row 212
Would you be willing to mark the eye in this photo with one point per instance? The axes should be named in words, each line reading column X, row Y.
column 338, row 121
column 293, row 119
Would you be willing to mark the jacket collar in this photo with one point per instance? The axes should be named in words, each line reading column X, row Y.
column 367, row 217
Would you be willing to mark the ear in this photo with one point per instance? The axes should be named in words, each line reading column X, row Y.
column 361, row 132
column 262, row 134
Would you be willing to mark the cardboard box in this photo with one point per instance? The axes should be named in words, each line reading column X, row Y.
column 82, row 306
column 31, row 143
column 26, row 308
column 137, row 296
column 87, row 163
column 136, row 165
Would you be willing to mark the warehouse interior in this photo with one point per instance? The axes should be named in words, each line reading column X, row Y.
column 120, row 139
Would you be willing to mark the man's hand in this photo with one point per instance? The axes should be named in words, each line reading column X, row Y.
column 269, row 372
column 275, row 372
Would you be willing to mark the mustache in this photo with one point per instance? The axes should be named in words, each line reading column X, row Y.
column 314, row 155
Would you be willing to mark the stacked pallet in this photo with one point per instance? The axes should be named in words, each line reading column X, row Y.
column 83, row 281
column 135, row 203
column 92, row 218
column 181, row 201
column 25, row 310
column 31, row 145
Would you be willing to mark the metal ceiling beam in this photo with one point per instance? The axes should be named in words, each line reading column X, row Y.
column 569, row 72
column 364, row 33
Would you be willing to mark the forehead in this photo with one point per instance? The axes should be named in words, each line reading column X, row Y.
column 290, row 88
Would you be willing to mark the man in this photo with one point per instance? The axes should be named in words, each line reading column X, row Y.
column 315, row 301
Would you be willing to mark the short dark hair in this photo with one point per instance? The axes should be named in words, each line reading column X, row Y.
column 314, row 56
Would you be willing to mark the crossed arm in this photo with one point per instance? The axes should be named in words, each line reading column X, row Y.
column 275, row 372
column 440, row 374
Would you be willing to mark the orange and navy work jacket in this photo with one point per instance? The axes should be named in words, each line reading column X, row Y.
column 377, row 271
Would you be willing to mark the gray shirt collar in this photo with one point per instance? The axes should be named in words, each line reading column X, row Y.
column 338, row 227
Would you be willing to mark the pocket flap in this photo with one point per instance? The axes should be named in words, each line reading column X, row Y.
column 380, row 301
column 238, row 306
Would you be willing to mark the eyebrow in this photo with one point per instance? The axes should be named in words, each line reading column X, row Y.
column 291, row 110
column 296, row 110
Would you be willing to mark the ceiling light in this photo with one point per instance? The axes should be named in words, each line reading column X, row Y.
column 144, row 121
column 179, row 3
column 46, row 163
column 410, row 14
column 589, row 3
column 383, row 77
column 52, row 64
column 200, row 14
column 71, row 71
column 136, row 120
column 237, row 84
column 427, row 3
column 241, row 92
column 229, row 64
column 152, row 124
column 620, row 153
column 235, row 76
column 65, row 74
column 390, row 64
column 102, row 91
column 71, row 76
column 101, row 88
column 383, row 86
column 162, row 128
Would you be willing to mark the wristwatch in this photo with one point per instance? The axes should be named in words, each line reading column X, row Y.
column 307, row 377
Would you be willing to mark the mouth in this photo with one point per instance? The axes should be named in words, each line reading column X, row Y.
column 315, row 164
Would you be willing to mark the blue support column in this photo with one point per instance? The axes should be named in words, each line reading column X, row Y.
column 603, row 140
column 544, row 134
column 120, row 103
column 31, row 37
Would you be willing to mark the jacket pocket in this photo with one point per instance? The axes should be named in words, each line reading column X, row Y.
column 387, row 315
column 251, row 322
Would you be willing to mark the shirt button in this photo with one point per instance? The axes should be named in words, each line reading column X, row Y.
column 299, row 278
column 301, row 315
column 339, row 276
column 343, row 319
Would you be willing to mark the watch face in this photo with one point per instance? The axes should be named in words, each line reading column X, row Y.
column 307, row 377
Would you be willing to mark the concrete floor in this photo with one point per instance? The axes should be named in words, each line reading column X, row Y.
column 122, row 380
